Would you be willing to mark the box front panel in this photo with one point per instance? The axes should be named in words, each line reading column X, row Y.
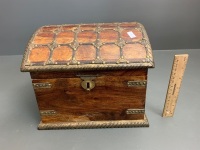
column 91, row 96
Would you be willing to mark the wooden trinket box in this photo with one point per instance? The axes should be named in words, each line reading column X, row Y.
column 90, row 75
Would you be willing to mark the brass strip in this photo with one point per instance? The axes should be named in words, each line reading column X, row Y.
column 74, row 45
column 41, row 85
column 53, row 45
column 98, row 45
column 135, row 111
column 95, row 124
column 47, row 112
column 136, row 83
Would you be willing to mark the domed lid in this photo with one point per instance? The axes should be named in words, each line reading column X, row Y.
column 88, row 47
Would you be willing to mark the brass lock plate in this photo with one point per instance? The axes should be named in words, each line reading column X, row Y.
column 88, row 82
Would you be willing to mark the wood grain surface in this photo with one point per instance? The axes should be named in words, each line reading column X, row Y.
column 109, row 100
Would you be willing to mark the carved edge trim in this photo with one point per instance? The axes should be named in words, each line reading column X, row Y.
column 135, row 111
column 149, row 50
column 87, row 67
column 41, row 85
column 47, row 112
column 95, row 124
column 136, row 83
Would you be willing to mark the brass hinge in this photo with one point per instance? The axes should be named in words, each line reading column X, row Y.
column 135, row 111
column 41, row 85
column 47, row 112
column 136, row 83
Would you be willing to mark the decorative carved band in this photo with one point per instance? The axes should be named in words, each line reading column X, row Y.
column 41, row 85
column 136, row 83
column 95, row 124
column 47, row 112
column 135, row 111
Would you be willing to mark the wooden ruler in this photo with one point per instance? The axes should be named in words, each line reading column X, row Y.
column 176, row 78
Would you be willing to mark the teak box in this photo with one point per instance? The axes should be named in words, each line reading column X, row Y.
column 90, row 75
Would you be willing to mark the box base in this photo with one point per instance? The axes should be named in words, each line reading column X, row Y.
column 95, row 124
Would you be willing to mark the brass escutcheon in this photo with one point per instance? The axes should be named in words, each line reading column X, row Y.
column 88, row 82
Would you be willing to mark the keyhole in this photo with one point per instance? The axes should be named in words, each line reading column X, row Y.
column 88, row 85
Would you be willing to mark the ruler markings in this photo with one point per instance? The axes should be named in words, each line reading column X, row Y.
column 176, row 78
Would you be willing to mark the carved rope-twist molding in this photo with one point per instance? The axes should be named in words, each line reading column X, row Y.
column 94, row 124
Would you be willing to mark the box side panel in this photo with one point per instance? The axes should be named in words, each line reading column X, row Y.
column 65, row 100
